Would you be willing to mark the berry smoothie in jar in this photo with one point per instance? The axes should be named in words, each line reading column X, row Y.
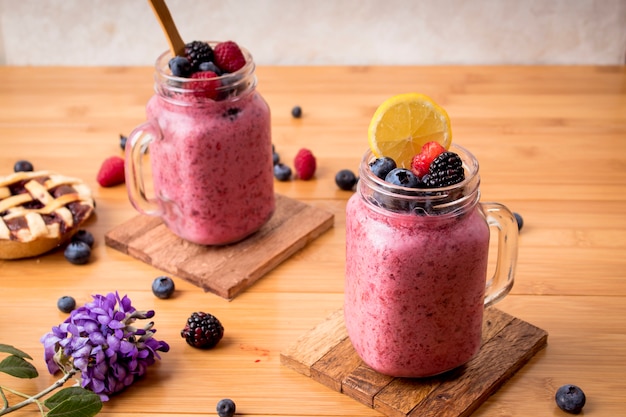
column 417, row 247
column 208, row 138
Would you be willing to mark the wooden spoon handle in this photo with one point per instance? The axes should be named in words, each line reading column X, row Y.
column 177, row 45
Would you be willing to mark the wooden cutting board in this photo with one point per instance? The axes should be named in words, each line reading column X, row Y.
column 326, row 355
column 224, row 270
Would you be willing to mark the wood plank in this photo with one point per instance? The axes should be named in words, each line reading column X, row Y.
column 224, row 270
column 326, row 355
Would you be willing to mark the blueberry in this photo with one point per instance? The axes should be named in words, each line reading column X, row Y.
column 570, row 398
column 84, row 236
column 275, row 157
column 210, row 66
column 345, row 179
column 66, row 304
column 382, row 166
column 296, row 112
column 282, row 172
column 123, row 140
column 77, row 252
column 520, row 221
column 180, row 66
column 402, row 177
column 23, row 166
column 226, row 408
column 163, row 287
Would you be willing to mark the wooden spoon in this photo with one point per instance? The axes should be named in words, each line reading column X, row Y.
column 177, row 46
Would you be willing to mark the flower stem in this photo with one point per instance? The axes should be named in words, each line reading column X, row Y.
column 35, row 398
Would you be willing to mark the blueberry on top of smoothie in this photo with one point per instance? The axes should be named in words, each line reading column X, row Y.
column 382, row 166
column 402, row 177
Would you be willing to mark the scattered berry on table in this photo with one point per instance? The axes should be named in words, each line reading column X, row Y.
column 304, row 164
column 210, row 66
column 296, row 112
column 180, row 66
column 345, row 179
column 420, row 163
column 198, row 52
column 123, row 140
column 84, row 236
column 111, row 172
column 445, row 170
column 520, row 220
column 282, row 172
column 66, row 304
column 77, row 252
column 163, row 287
column 203, row 330
column 226, row 408
column 275, row 157
column 207, row 85
column 570, row 398
column 402, row 177
column 228, row 56
column 382, row 166
column 23, row 166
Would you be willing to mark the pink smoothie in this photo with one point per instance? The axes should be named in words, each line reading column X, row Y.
column 414, row 288
column 213, row 169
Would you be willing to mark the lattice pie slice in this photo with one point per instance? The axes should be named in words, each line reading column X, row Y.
column 39, row 211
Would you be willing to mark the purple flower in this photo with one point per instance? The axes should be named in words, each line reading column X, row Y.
column 100, row 341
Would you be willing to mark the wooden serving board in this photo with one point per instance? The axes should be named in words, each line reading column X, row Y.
column 326, row 355
column 224, row 270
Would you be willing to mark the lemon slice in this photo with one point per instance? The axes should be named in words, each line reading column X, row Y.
column 405, row 122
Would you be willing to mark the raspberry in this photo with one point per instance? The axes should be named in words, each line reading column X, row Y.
column 228, row 56
column 421, row 162
column 202, row 330
column 198, row 52
column 111, row 172
column 207, row 85
column 305, row 164
column 445, row 170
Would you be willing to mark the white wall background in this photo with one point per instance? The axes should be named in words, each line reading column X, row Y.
column 322, row 32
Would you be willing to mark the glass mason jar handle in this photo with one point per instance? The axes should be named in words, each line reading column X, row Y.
column 136, row 147
column 501, row 218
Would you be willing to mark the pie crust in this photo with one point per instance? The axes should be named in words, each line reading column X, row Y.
column 39, row 211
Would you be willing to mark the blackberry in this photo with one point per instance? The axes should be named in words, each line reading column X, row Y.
column 445, row 170
column 198, row 52
column 203, row 330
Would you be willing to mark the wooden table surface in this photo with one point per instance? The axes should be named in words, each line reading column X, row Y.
column 552, row 146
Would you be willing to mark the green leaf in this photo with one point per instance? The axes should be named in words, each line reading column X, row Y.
column 73, row 402
column 18, row 367
column 65, row 394
column 13, row 351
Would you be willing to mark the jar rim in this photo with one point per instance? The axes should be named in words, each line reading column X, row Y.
column 184, row 91
column 424, row 201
